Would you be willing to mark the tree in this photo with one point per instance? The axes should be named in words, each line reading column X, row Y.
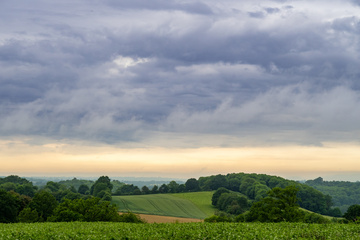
column 28, row 216
column 280, row 205
column 44, row 203
column 89, row 210
column 10, row 206
column 145, row 190
column 192, row 185
column 173, row 187
column 232, row 203
column 52, row 186
column 102, row 180
column 353, row 213
column 217, row 194
column 155, row 189
column 218, row 181
column 84, row 189
column 163, row 188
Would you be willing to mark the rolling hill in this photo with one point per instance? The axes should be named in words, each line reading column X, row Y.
column 187, row 205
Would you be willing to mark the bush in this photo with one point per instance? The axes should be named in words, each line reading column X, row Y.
column 131, row 218
column 215, row 219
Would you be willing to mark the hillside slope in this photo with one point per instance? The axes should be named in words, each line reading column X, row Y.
column 160, row 204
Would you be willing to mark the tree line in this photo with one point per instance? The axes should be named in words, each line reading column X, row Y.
column 20, row 201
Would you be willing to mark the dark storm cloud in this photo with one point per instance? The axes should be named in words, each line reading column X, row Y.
column 131, row 71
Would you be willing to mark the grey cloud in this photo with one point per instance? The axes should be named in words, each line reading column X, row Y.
column 256, row 14
column 293, row 78
column 272, row 10
column 191, row 7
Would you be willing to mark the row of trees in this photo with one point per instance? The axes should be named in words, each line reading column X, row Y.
column 256, row 186
column 280, row 204
column 58, row 202
column 191, row 185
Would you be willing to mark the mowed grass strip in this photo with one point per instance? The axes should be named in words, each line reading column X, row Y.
column 159, row 204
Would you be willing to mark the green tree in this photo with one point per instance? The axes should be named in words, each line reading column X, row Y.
column 44, row 203
column 173, row 187
column 217, row 194
column 192, row 185
column 101, row 180
column 232, row 203
column 163, row 188
column 10, row 206
column 27, row 215
column 89, row 210
column 52, row 186
column 353, row 213
column 280, row 205
column 155, row 189
column 84, row 189
column 145, row 190
column 217, row 182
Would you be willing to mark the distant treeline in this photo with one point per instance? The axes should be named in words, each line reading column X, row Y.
column 344, row 194
column 235, row 193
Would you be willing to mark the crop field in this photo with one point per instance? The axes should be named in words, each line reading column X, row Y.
column 201, row 199
column 159, row 204
column 98, row 231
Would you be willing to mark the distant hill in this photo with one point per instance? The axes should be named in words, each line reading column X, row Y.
column 343, row 193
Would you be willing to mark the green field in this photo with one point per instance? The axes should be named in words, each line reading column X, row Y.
column 188, row 205
column 201, row 199
column 99, row 231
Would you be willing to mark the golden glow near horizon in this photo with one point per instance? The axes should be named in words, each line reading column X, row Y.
column 19, row 158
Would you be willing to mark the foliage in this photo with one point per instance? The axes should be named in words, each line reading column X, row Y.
column 343, row 193
column 255, row 187
column 127, row 189
column 314, row 218
column 27, row 215
column 280, row 205
column 101, row 187
column 18, row 184
column 353, row 213
column 217, row 219
column 108, row 230
column 217, row 195
column 192, row 185
column 89, row 210
column 130, row 217
column 232, row 203
column 10, row 206
column 84, row 189
column 44, row 203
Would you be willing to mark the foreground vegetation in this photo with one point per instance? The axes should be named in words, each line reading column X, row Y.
column 98, row 231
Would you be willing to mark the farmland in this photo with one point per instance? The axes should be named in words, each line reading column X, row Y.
column 189, row 205
column 99, row 230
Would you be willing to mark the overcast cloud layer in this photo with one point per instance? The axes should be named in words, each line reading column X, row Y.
column 181, row 73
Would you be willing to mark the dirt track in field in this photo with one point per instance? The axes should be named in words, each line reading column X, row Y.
column 166, row 219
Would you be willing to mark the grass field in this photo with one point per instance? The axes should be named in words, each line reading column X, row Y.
column 201, row 199
column 176, row 205
column 117, row 231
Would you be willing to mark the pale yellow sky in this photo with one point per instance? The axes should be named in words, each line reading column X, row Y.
column 294, row 162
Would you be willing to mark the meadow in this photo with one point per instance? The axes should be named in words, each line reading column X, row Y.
column 102, row 230
column 186, row 205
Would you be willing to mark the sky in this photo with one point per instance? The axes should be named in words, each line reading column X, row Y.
column 170, row 88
